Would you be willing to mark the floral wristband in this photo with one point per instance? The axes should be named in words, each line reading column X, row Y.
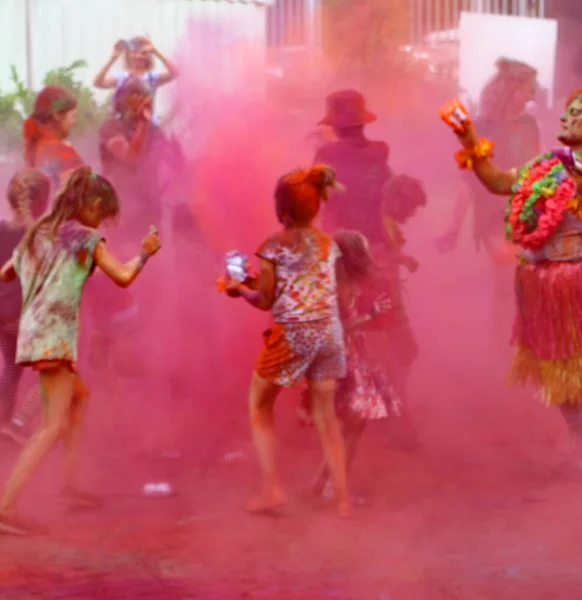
column 467, row 156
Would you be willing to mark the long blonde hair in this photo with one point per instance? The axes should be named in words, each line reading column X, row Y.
column 82, row 187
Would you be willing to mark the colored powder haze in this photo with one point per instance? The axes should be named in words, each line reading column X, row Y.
column 480, row 442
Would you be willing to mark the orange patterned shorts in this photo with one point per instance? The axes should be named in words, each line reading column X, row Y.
column 294, row 351
column 50, row 365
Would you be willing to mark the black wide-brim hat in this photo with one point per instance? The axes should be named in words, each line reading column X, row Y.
column 347, row 108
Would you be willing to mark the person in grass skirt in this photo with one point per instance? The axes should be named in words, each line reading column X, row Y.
column 544, row 222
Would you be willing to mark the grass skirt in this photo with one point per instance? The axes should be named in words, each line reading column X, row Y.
column 547, row 332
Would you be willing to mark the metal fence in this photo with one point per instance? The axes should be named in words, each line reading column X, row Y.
column 442, row 16
column 39, row 35
column 294, row 24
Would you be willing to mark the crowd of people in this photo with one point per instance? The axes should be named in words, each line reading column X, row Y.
column 331, row 276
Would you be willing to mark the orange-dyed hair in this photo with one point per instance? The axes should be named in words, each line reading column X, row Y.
column 577, row 92
column 299, row 194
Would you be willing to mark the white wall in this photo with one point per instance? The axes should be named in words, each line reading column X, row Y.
column 67, row 30
column 530, row 40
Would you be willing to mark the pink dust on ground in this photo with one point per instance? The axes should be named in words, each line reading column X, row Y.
column 481, row 510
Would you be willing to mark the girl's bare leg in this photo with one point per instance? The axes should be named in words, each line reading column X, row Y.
column 261, row 405
column 352, row 432
column 72, row 437
column 57, row 386
column 324, row 416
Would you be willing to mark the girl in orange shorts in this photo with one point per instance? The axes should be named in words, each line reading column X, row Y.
column 297, row 283
column 53, row 262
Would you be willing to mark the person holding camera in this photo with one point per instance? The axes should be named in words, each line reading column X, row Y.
column 139, row 55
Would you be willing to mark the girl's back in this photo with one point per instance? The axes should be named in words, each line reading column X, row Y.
column 52, row 271
column 304, row 260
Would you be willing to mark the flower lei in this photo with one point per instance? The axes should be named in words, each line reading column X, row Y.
column 541, row 197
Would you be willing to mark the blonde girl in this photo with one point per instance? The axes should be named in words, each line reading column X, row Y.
column 53, row 262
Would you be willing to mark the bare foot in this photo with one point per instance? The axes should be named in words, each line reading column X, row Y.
column 12, row 524
column 344, row 510
column 267, row 502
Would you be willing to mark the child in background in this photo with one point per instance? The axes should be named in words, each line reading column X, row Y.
column 53, row 262
column 28, row 193
column 139, row 56
column 45, row 133
column 364, row 395
column 393, row 340
column 297, row 283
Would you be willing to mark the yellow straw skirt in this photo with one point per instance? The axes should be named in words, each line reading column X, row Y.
column 548, row 330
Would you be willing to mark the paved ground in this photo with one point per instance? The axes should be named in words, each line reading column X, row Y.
column 485, row 524
column 483, row 511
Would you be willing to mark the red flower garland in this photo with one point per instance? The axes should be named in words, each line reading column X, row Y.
column 539, row 203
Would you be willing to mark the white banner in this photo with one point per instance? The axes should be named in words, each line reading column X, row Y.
column 484, row 38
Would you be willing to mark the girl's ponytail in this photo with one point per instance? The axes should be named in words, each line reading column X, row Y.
column 323, row 177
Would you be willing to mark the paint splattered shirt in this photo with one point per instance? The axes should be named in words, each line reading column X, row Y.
column 304, row 262
column 52, row 280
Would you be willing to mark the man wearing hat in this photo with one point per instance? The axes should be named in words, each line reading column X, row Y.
column 361, row 166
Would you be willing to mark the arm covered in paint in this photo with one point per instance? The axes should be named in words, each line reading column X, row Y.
column 382, row 305
column 496, row 180
column 8, row 272
column 115, row 141
column 124, row 274
column 260, row 292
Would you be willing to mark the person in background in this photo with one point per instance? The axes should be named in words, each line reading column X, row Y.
column 503, row 117
column 47, row 150
column 364, row 394
column 28, row 195
column 139, row 54
column 394, row 340
column 45, row 134
column 361, row 165
column 127, row 148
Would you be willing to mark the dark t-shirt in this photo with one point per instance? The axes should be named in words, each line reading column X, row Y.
column 137, row 182
column 10, row 293
column 114, row 167
column 362, row 167
column 515, row 144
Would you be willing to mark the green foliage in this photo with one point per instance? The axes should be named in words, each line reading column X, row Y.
column 89, row 113
column 18, row 103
